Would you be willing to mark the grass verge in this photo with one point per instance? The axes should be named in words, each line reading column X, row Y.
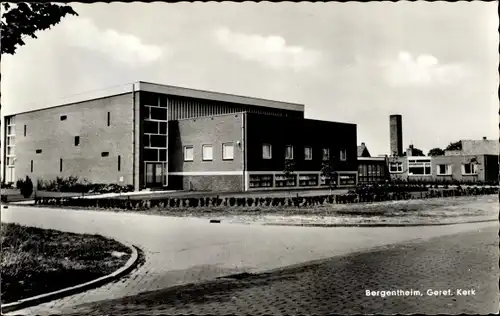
column 37, row 261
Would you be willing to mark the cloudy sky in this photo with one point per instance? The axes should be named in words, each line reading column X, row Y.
column 433, row 63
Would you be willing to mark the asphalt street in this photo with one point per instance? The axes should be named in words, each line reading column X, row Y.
column 446, row 275
column 180, row 251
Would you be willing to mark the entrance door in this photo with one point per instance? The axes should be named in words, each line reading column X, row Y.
column 154, row 174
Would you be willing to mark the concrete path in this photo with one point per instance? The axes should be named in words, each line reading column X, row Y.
column 185, row 250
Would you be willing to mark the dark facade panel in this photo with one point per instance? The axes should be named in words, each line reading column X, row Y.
column 280, row 132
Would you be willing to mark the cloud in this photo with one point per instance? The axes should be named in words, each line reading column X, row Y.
column 421, row 71
column 271, row 51
column 121, row 47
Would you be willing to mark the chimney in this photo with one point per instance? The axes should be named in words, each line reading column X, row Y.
column 484, row 138
column 396, row 134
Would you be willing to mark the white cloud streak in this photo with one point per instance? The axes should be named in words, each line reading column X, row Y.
column 423, row 70
column 271, row 51
column 121, row 47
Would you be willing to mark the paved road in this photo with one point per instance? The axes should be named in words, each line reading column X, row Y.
column 464, row 265
column 184, row 250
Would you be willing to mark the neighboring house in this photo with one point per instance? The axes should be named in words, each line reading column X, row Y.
column 157, row 136
column 371, row 169
column 478, row 162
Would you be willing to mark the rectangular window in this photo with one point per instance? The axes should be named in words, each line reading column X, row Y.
column 395, row 167
column 267, row 151
column 60, row 165
column 105, row 154
column 119, row 163
column 150, row 154
column 38, row 151
column 188, row 153
column 77, row 140
column 158, row 141
column 419, row 168
column 308, row 153
column 163, row 127
column 260, row 181
column 444, row 170
column 158, row 114
column 286, row 181
column 25, row 130
column 151, row 127
column 347, row 179
column 109, row 118
column 31, row 165
column 228, row 151
column 308, row 180
column 343, row 154
column 207, row 152
column 63, row 117
column 326, row 154
column 289, row 152
column 469, row 169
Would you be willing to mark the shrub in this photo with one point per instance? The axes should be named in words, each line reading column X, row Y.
column 27, row 187
column 250, row 201
column 232, row 201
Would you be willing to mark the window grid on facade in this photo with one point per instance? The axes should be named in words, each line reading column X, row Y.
column 289, row 152
column 207, row 152
column 227, row 151
column 307, row 153
column 419, row 168
column 261, row 181
column 266, row 151
column 188, row 153
column 395, row 167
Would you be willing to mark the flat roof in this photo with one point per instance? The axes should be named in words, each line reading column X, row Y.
column 169, row 90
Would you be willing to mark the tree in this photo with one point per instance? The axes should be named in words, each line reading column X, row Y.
column 435, row 152
column 25, row 19
column 454, row 146
column 329, row 173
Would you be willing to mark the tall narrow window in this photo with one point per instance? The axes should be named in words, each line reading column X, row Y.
column 31, row 165
column 343, row 154
column 188, row 153
column 60, row 165
column 266, row 151
column 308, row 153
column 77, row 140
column 207, row 152
column 227, row 151
column 109, row 118
column 24, row 130
column 289, row 152
column 119, row 163
column 326, row 154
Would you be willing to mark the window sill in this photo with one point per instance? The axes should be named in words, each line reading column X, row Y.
column 396, row 172
column 444, row 174
column 469, row 174
column 188, row 160
column 227, row 159
column 420, row 175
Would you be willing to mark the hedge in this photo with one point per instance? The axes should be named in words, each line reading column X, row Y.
column 365, row 196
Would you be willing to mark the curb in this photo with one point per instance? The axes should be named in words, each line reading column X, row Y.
column 43, row 298
column 378, row 224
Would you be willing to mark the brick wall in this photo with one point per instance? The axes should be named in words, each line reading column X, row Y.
column 213, row 131
column 56, row 138
column 222, row 183
column 280, row 132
